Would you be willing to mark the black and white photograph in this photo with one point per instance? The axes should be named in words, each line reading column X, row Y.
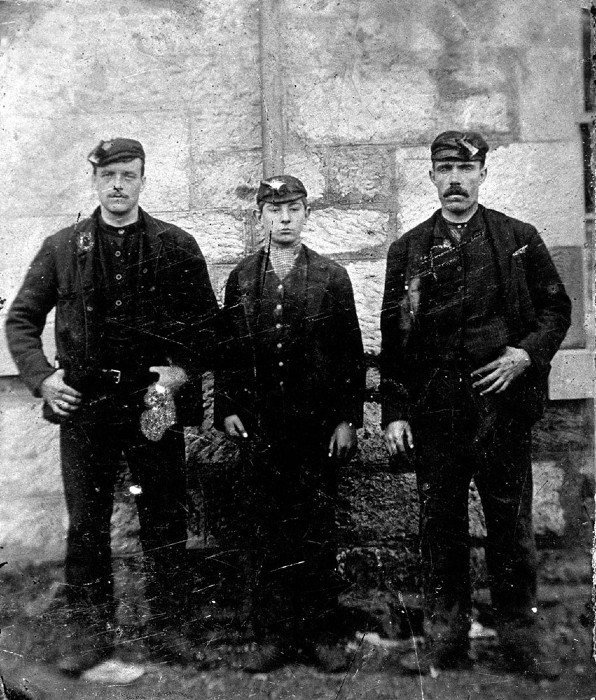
column 297, row 354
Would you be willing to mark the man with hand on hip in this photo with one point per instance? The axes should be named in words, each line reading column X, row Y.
column 473, row 312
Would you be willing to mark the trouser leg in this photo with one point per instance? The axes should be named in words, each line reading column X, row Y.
column 90, row 456
column 160, row 470
column 505, row 487
column 292, row 543
column 443, row 484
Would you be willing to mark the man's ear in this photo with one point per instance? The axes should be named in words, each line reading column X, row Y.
column 257, row 214
column 306, row 212
column 143, row 182
column 483, row 174
column 431, row 174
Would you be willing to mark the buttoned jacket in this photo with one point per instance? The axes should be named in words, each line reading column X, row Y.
column 175, row 307
column 329, row 369
column 535, row 305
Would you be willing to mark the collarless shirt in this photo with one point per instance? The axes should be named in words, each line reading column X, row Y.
column 120, row 262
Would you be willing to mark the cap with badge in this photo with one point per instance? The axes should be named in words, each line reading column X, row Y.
column 116, row 150
column 280, row 189
column 459, row 145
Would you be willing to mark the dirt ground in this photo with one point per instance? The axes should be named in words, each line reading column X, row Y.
column 30, row 642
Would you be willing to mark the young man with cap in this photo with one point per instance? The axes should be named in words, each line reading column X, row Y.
column 134, row 311
column 473, row 312
column 290, row 390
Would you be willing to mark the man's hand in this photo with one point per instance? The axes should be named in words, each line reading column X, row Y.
column 343, row 441
column 171, row 377
column 234, row 427
column 497, row 375
column 399, row 438
column 61, row 398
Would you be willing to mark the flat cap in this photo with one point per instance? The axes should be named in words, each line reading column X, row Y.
column 279, row 189
column 114, row 150
column 459, row 145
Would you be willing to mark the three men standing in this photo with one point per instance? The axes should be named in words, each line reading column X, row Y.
column 134, row 311
column 290, row 389
column 473, row 312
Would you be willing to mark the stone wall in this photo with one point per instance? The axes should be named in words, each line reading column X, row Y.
column 366, row 86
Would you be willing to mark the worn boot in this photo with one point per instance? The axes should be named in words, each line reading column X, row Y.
column 86, row 645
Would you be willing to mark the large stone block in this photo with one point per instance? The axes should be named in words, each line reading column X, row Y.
column 368, row 279
column 224, row 180
column 335, row 231
column 540, row 183
column 360, row 175
column 309, row 166
column 220, row 235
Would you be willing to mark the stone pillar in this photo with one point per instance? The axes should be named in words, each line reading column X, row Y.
column 272, row 126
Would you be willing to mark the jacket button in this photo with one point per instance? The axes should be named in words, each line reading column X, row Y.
column 144, row 270
column 89, row 308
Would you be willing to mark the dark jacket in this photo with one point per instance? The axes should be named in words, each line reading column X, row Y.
column 535, row 305
column 175, row 308
column 328, row 366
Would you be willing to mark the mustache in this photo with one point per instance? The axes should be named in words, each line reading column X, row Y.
column 455, row 189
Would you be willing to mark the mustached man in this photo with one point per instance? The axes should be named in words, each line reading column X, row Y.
column 134, row 308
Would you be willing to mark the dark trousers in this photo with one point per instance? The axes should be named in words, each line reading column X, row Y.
column 92, row 445
column 458, row 438
column 289, row 539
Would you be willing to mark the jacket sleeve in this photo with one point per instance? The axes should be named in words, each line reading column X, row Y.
column 231, row 349
column 27, row 318
column 394, row 393
column 550, row 305
column 349, row 402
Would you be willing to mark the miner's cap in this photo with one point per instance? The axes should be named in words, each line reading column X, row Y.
column 459, row 145
column 114, row 150
column 279, row 189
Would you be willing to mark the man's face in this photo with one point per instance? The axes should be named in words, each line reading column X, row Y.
column 457, row 183
column 284, row 222
column 118, row 186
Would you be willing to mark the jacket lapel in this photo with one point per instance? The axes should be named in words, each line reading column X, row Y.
column 250, row 282
column 317, row 281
